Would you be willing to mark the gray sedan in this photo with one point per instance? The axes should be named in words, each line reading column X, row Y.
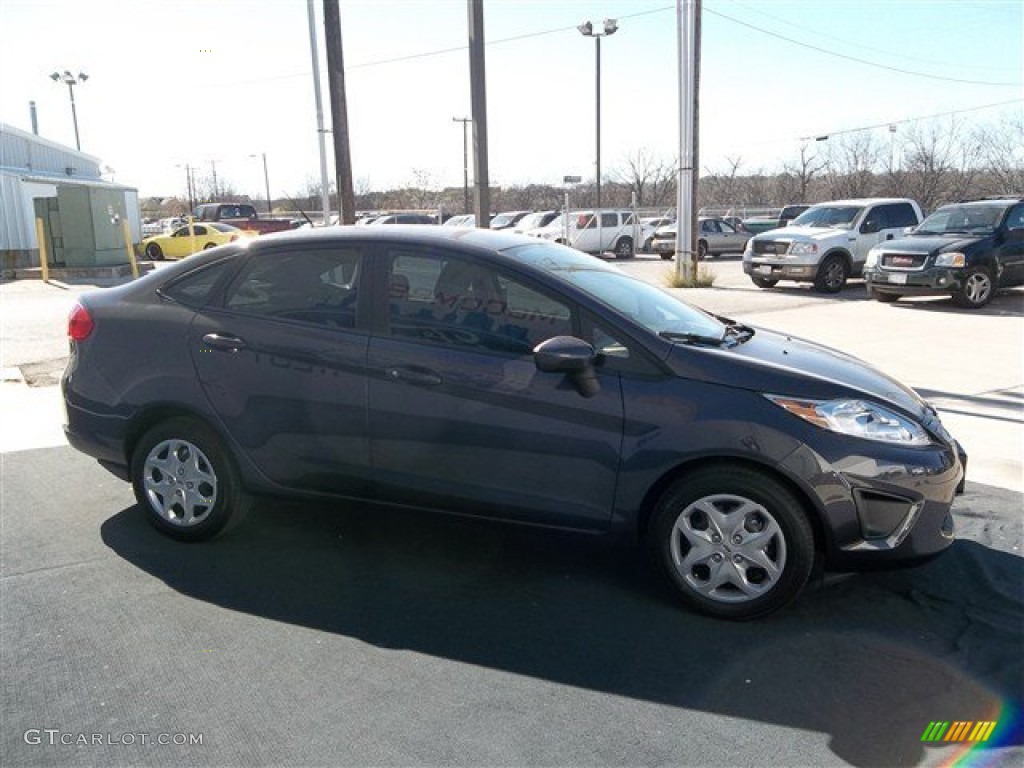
column 715, row 236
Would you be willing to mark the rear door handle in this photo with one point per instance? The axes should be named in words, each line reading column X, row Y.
column 224, row 342
column 422, row 376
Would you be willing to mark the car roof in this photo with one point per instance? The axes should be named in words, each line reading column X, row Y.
column 864, row 201
column 413, row 233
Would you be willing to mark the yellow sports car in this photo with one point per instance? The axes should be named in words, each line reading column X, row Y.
column 182, row 242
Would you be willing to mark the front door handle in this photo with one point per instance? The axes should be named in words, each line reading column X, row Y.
column 422, row 376
column 224, row 342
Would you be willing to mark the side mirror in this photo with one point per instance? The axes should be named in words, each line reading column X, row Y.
column 571, row 356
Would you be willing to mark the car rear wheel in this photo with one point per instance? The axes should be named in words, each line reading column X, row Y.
column 734, row 542
column 624, row 248
column 764, row 282
column 975, row 289
column 666, row 256
column 208, row 246
column 832, row 275
column 882, row 296
column 154, row 252
column 185, row 480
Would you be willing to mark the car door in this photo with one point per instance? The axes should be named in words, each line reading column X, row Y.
column 1010, row 251
column 282, row 358
column 459, row 416
column 732, row 240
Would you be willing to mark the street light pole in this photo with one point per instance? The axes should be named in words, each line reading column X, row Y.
column 71, row 81
column 465, row 160
column 587, row 30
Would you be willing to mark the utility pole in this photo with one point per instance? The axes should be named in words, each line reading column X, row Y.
column 339, row 111
column 325, row 192
column 478, row 92
column 465, row 160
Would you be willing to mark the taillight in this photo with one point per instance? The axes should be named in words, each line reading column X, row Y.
column 80, row 323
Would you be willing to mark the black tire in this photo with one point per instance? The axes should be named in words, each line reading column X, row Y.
column 208, row 246
column 832, row 274
column 975, row 290
column 702, row 250
column 666, row 256
column 882, row 296
column 185, row 480
column 756, row 521
column 154, row 252
column 764, row 282
column 624, row 248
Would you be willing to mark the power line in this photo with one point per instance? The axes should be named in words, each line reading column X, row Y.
column 854, row 58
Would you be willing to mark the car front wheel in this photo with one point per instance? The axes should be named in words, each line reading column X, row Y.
column 734, row 542
column 185, row 480
column 154, row 252
column 764, row 282
column 624, row 248
column 975, row 289
column 832, row 275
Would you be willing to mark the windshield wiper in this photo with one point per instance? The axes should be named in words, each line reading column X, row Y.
column 692, row 338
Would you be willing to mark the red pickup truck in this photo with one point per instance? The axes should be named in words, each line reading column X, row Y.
column 243, row 216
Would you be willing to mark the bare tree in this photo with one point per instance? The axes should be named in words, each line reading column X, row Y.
column 937, row 164
column 1001, row 149
column 650, row 177
column 852, row 161
column 794, row 184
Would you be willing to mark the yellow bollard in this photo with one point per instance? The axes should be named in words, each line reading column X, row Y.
column 44, row 266
column 130, row 248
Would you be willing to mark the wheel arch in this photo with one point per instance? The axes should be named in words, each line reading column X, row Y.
column 155, row 414
column 842, row 253
column 680, row 471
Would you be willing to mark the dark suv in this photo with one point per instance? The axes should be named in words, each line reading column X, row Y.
column 965, row 250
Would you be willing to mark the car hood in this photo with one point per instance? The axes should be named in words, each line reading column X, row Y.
column 779, row 364
column 802, row 233
column 929, row 243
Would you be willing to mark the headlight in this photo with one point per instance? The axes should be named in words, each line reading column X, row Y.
column 951, row 259
column 857, row 418
column 872, row 258
column 799, row 249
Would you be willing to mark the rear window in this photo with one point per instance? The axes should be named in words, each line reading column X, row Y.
column 195, row 288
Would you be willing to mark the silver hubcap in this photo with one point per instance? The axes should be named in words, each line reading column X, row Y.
column 180, row 482
column 728, row 548
column 834, row 275
column 977, row 288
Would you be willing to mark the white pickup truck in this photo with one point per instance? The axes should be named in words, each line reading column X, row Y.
column 828, row 242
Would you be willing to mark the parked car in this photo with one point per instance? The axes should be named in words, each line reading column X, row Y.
column 186, row 240
column 535, row 220
column 714, row 237
column 491, row 374
column 404, row 218
column 758, row 224
column 966, row 250
column 598, row 232
column 827, row 243
column 651, row 225
column 243, row 216
column 507, row 219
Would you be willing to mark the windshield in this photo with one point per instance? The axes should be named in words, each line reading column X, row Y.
column 828, row 216
column 962, row 219
column 656, row 310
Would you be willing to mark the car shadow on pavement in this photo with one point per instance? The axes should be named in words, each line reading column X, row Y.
column 868, row 660
column 1003, row 304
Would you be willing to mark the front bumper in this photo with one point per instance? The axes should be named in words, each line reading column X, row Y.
column 936, row 281
column 777, row 269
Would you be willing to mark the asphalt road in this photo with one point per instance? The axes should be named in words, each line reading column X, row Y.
column 352, row 635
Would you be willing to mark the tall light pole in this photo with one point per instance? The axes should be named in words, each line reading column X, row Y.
column 71, row 81
column 266, row 179
column 587, row 30
column 465, row 160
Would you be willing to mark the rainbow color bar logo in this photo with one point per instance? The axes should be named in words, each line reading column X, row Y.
column 960, row 730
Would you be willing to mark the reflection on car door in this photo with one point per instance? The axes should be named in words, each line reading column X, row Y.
column 459, row 416
column 283, row 365
column 1011, row 251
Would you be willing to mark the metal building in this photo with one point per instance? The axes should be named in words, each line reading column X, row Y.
column 81, row 213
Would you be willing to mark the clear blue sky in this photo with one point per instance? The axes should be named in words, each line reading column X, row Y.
column 179, row 82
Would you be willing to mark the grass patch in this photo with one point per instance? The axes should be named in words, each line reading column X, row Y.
column 704, row 278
